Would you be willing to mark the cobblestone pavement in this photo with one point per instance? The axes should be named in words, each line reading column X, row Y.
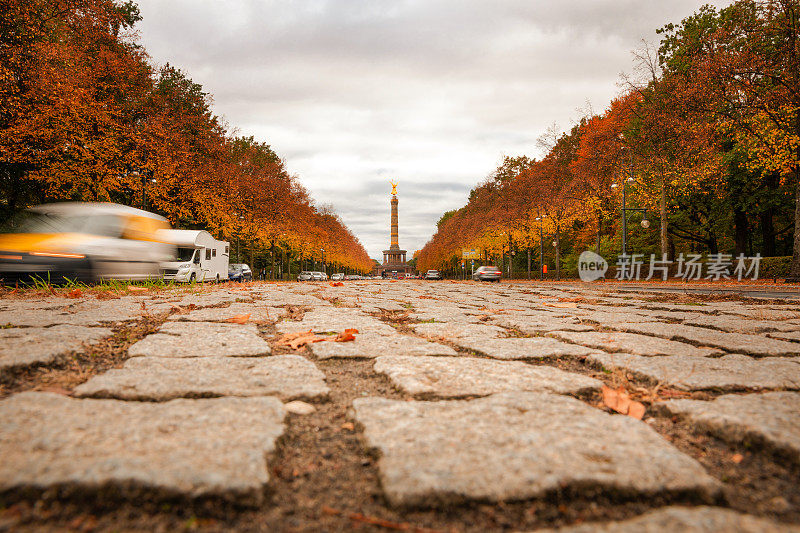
column 459, row 406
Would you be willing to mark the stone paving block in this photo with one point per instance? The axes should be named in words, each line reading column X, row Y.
column 335, row 319
column 730, row 372
column 21, row 347
column 772, row 418
column 523, row 347
column 458, row 330
column 203, row 299
column 257, row 312
column 615, row 341
column 534, row 325
column 201, row 339
column 608, row 318
column 701, row 519
column 371, row 345
column 732, row 342
column 518, row 445
column 165, row 378
column 450, row 377
column 186, row 448
column 83, row 312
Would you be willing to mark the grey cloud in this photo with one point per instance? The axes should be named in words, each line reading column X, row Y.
column 430, row 93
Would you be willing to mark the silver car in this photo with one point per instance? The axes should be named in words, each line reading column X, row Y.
column 487, row 273
column 305, row 276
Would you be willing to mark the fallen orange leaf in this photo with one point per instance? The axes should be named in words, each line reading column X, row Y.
column 345, row 337
column 299, row 339
column 337, row 284
column 134, row 288
column 75, row 293
column 737, row 458
column 239, row 319
column 619, row 400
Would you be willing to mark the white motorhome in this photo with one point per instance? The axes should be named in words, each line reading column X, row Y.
column 200, row 257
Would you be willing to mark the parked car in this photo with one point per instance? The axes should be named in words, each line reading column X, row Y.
column 338, row 277
column 305, row 276
column 487, row 273
column 433, row 274
column 240, row 272
column 324, row 276
column 84, row 242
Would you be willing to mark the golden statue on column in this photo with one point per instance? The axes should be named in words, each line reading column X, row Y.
column 394, row 188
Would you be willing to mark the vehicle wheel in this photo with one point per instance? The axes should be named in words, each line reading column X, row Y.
column 192, row 278
column 217, row 278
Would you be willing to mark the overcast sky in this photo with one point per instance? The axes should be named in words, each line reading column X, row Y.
column 430, row 94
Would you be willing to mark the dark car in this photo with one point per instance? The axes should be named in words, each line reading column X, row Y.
column 487, row 273
column 433, row 274
column 239, row 272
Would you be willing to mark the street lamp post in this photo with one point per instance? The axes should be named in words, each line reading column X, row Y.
column 324, row 270
column 645, row 222
column 145, row 181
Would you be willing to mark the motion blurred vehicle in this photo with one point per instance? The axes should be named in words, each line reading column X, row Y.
column 433, row 274
column 305, row 276
column 487, row 273
column 239, row 272
column 338, row 277
column 78, row 241
column 199, row 257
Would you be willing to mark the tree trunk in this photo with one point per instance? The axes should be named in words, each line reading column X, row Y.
column 529, row 264
column 272, row 260
column 794, row 275
column 767, row 222
column 558, row 253
column 740, row 230
column 767, row 233
column 662, row 213
column 599, row 229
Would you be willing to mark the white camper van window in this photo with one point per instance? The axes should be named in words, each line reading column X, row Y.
column 185, row 254
column 226, row 250
column 208, row 253
column 214, row 252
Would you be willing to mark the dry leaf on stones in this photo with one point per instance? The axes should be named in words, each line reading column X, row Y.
column 239, row 319
column 299, row 339
column 133, row 288
column 619, row 400
column 75, row 293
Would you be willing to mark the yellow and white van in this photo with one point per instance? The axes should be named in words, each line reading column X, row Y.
column 83, row 241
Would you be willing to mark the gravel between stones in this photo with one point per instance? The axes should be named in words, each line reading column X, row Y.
column 771, row 417
column 518, row 445
column 371, row 345
column 184, row 448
